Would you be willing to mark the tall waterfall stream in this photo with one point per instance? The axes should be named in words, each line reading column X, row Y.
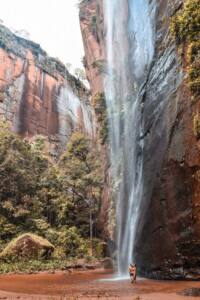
column 130, row 50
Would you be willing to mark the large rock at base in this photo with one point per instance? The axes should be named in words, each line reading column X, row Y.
column 27, row 246
column 107, row 263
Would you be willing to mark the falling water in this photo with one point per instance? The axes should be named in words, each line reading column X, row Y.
column 16, row 92
column 130, row 50
column 73, row 113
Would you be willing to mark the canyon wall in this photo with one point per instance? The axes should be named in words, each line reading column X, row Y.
column 167, row 243
column 38, row 96
column 91, row 23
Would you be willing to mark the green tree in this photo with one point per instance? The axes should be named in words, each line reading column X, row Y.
column 20, row 171
column 82, row 177
column 59, row 201
column 74, row 244
column 80, row 74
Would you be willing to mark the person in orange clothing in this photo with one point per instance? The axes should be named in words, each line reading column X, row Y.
column 133, row 273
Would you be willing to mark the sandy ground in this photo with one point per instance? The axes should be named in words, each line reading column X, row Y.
column 89, row 285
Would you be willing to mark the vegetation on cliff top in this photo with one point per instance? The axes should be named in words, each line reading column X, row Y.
column 50, row 65
column 186, row 28
column 53, row 200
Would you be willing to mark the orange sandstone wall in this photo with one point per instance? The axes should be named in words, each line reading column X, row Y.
column 37, row 93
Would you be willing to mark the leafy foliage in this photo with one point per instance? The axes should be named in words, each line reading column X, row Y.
column 82, row 178
column 53, row 200
column 99, row 104
column 185, row 27
column 196, row 126
column 186, row 23
column 93, row 25
column 21, row 168
column 35, row 265
column 74, row 245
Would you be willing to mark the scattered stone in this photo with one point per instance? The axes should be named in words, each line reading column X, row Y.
column 90, row 267
column 107, row 263
column 194, row 292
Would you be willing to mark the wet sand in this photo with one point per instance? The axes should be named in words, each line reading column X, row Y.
column 89, row 285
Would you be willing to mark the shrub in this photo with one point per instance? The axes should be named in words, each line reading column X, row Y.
column 186, row 23
column 99, row 104
column 74, row 245
column 53, row 200
column 196, row 125
column 185, row 27
column 99, row 248
column 93, row 26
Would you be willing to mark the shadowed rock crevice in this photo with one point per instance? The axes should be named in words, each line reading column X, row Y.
column 168, row 234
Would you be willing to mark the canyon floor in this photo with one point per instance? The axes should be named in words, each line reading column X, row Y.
column 89, row 285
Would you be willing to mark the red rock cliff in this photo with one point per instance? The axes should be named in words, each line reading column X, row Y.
column 168, row 239
column 37, row 93
column 92, row 28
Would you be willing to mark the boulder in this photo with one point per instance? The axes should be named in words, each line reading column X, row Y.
column 107, row 263
column 27, row 246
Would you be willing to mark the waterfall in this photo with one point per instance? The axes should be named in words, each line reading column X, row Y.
column 15, row 99
column 130, row 50
column 73, row 114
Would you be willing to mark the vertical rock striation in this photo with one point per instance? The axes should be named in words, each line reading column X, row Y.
column 37, row 93
column 92, row 28
column 167, row 243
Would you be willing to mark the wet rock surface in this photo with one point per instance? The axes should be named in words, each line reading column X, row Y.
column 168, row 235
column 195, row 292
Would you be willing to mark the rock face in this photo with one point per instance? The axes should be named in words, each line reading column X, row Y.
column 37, row 93
column 91, row 22
column 168, row 238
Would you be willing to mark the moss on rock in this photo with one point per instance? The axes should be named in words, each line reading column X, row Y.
column 27, row 246
column 99, row 104
column 196, row 126
column 185, row 27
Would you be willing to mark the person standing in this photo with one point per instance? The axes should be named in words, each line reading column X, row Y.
column 133, row 273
